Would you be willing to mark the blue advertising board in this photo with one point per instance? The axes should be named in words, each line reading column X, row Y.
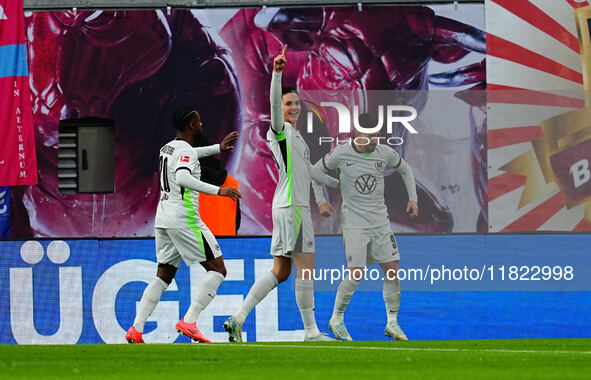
column 86, row 291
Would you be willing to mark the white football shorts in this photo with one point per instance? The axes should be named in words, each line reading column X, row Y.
column 370, row 246
column 191, row 245
column 293, row 231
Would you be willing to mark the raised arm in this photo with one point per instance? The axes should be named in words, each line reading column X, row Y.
column 225, row 144
column 210, row 150
column 275, row 94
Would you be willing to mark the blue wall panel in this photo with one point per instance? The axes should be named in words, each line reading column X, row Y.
column 85, row 291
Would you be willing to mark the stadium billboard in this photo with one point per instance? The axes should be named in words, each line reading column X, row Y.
column 86, row 291
column 538, row 77
column 148, row 62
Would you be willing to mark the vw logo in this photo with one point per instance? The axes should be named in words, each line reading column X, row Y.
column 366, row 184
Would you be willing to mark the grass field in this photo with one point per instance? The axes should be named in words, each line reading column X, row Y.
column 549, row 358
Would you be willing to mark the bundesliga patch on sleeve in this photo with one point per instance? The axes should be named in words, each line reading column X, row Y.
column 184, row 158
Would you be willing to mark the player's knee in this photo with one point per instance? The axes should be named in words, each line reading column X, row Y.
column 215, row 267
column 282, row 275
column 166, row 272
column 166, row 279
column 357, row 274
column 222, row 271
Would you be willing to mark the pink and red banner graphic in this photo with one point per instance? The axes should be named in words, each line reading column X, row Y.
column 18, row 164
column 136, row 67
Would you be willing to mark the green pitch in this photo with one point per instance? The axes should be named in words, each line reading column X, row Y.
column 551, row 358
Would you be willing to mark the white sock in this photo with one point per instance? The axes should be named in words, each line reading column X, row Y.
column 392, row 299
column 259, row 290
column 341, row 301
column 304, row 292
column 148, row 303
column 204, row 293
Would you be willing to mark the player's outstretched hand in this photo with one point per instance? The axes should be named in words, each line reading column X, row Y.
column 326, row 209
column 280, row 61
column 412, row 208
column 226, row 143
column 230, row 192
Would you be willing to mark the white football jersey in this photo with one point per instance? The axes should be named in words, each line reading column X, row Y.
column 178, row 206
column 290, row 152
column 362, row 183
column 292, row 157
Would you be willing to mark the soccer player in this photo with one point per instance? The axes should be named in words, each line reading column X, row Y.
column 180, row 233
column 366, row 228
column 293, row 233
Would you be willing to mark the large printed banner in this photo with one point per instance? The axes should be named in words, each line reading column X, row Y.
column 136, row 67
column 18, row 164
column 454, row 287
column 538, row 71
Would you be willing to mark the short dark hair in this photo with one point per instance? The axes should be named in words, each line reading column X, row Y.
column 183, row 116
column 288, row 90
column 367, row 120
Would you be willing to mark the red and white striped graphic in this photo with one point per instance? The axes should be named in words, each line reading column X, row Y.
column 534, row 65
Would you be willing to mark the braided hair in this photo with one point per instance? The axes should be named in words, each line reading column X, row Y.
column 183, row 116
